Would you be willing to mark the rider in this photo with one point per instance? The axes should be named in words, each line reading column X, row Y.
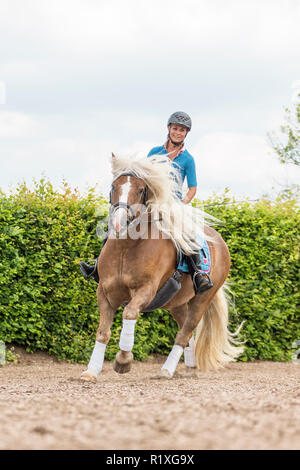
column 179, row 124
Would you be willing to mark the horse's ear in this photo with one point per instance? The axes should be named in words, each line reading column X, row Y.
column 113, row 156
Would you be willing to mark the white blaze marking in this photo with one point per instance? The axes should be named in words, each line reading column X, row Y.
column 125, row 189
column 121, row 213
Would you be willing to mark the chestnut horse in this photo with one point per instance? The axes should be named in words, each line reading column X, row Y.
column 136, row 262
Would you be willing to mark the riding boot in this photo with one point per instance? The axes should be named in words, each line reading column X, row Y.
column 90, row 270
column 201, row 281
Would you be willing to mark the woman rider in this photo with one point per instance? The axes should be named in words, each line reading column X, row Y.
column 179, row 124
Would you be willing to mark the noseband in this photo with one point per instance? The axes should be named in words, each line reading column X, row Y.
column 126, row 206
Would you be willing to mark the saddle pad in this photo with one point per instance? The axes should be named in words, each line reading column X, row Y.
column 204, row 255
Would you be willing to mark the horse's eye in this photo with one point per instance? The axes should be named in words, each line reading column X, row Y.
column 141, row 191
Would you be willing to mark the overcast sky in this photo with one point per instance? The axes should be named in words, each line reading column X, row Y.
column 83, row 78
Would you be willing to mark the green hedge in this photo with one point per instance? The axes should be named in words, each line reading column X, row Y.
column 263, row 240
column 45, row 304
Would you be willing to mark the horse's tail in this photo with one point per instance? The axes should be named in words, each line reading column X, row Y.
column 215, row 344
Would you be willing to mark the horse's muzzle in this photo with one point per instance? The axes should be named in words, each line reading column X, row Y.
column 121, row 218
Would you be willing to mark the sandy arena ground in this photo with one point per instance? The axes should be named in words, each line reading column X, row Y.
column 245, row 406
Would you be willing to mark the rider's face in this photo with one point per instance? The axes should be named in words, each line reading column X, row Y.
column 177, row 133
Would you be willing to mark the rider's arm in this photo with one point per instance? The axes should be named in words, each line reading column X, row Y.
column 191, row 181
column 190, row 194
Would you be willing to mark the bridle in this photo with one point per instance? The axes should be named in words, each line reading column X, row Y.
column 131, row 219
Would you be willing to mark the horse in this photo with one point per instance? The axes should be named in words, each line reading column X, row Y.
column 134, row 264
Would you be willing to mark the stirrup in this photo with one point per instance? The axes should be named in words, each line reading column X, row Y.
column 202, row 282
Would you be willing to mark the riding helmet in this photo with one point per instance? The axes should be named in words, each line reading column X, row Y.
column 180, row 118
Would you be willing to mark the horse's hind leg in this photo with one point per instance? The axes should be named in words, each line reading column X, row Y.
column 179, row 314
column 185, row 333
column 102, row 338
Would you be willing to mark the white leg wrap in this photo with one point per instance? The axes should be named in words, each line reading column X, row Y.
column 173, row 359
column 127, row 335
column 97, row 358
column 189, row 354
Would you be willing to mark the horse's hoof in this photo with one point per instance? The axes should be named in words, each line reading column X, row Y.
column 190, row 372
column 88, row 376
column 121, row 368
column 163, row 374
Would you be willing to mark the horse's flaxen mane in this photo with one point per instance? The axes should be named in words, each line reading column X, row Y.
column 178, row 221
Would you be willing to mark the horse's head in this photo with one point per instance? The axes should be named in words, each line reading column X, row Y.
column 128, row 198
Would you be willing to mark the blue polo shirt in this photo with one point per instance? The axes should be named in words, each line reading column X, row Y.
column 184, row 164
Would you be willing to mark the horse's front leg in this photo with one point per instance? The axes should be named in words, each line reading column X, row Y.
column 124, row 358
column 102, row 338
